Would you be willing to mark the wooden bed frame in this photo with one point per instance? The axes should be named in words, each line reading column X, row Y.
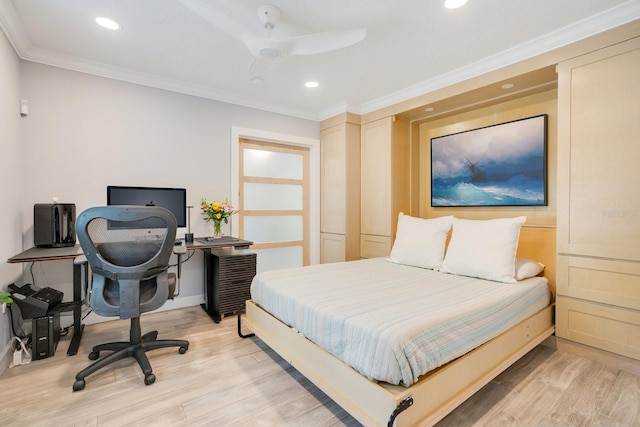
column 436, row 393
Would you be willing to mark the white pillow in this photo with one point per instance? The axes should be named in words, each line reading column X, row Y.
column 420, row 242
column 484, row 248
column 526, row 268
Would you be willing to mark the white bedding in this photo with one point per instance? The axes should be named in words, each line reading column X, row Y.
column 393, row 322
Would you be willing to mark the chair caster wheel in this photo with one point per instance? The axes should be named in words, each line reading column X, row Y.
column 94, row 355
column 182, row 350
column 78, row 385
column 149, row 379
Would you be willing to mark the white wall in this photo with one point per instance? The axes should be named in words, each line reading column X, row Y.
column 86, row 132
column 11, row 177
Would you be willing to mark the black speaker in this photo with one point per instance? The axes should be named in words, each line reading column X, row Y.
column 54, row 224
column 45, row 333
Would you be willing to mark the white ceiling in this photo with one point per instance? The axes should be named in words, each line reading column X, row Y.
column 411, row 47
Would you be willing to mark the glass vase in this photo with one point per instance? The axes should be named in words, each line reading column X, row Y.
column 217, row 229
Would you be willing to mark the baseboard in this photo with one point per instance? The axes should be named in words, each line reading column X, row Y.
column 182, row 302
column 6, row 357
column 612, row 360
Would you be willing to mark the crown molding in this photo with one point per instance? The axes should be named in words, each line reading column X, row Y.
column 46, row 57
column 17, row 35
column 12, row 27
column 334, row 110
column 609, row 19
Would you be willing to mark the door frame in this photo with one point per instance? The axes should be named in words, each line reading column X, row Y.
column 314, row 176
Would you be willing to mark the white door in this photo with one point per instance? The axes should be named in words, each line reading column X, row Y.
column 273, row 188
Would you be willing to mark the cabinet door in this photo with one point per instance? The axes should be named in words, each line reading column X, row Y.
column 332, row 185
column 376, row 207
column 374, row 246
column 598, row 153
column 598, row 325
column 332, row 248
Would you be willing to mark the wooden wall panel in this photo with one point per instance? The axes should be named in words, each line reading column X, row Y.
column 544, row 103
column 601, row 216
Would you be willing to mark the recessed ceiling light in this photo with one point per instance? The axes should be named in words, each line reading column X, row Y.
column 454, row 4
column 107, row 23
column 507, row 86
column 428, row 109
column 311, row 84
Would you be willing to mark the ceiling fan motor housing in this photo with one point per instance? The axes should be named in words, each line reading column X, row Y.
column 269, row 16
column 270, row 53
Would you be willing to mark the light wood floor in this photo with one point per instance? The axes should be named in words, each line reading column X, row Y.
column 225, row 380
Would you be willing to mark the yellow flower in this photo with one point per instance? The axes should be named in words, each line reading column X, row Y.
column 217, row 211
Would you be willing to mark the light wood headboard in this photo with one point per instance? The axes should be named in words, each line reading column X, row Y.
column 539, row 243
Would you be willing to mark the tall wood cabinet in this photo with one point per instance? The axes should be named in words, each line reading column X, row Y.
column 598, row 265
column 385, row 157
column 340, row 193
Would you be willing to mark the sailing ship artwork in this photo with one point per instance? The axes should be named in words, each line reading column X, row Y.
column 499, row 165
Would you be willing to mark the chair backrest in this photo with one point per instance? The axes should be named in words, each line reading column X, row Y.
column 128, row 249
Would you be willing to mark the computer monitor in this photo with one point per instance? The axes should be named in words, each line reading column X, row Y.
column 173, row 199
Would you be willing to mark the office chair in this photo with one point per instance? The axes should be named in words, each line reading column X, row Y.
column 128, row 250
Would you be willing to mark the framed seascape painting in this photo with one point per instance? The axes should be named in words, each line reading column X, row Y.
column 499, row 165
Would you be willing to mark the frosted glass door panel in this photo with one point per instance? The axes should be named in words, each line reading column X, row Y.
column 274, row 203
column 278, row 258
column 268, row 197
column 284, row 228
column 272, row 164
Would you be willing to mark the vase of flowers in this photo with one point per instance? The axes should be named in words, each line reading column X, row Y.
column 217, row 212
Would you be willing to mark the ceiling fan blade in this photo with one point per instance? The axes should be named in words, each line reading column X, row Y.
column 323, row 42
column 216, row 18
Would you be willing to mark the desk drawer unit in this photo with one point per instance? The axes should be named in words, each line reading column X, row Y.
column 233, row 271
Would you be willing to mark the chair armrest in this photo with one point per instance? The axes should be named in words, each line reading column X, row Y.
column 180, row 249
column 83, row 262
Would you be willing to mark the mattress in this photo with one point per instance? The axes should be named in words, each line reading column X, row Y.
column 392, row 322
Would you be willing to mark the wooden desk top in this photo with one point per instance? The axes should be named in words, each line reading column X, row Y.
column 211, row 243
column 46, row 254
column 71, row 252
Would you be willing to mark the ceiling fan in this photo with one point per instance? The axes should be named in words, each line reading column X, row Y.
column 266, row 49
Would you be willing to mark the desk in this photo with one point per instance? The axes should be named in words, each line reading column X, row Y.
column 210, row 305
column 207, row 243
column 55, row 254
column 72, row 252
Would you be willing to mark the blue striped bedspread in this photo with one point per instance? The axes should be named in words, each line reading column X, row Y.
column 392, row 322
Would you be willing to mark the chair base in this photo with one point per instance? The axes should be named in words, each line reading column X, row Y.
column 122, row 350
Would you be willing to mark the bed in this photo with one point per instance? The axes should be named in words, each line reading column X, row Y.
column 403, row 340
